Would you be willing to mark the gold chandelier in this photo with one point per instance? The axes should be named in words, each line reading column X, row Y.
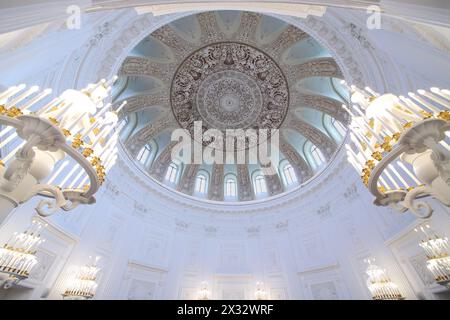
column 399, row 145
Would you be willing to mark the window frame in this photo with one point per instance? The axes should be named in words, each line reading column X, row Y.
column 260, row 184
column 289, row 174
column 172, row 173
column 203, row 185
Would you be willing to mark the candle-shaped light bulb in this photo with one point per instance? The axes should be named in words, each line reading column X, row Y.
column 22, row 97
column 121, row 106
column 36, row 99
column 111, row 81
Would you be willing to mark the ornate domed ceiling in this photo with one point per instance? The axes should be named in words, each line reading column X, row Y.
column 231, row 70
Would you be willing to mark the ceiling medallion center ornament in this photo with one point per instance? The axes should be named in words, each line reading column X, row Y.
column 229, row 85
column 229, row 100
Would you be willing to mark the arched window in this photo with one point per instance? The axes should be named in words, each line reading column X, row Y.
column 230, row 187
column 128, row 129
column 144, row 154
column 289, row 174
column 260, row 184
column 201, row 183
column 339, row 127
column 172, row 173
column 335, row 129
column 317, row 155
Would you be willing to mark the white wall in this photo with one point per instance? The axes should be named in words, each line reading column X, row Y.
column 309, row 249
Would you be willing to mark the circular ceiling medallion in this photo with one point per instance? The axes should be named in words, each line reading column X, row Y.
column 229, row 100
column 229, row 85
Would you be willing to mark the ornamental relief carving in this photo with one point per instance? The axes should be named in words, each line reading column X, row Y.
column 286, row 39
column 149, row 132
column 215, row 190
column 245, row 189
column 303, row 170
column 273, row 182
column 175, row 201
column 138, row 66
column 160, row 165
column 180, row 47
column 320, row 67
column 317, row 137
column 143, row 101
column 247, row 27
column 187, row 183
column 209, row 27
column 323, row 104
column 229, row 85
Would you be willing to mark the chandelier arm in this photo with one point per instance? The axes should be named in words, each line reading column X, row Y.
column 397, row 206
column 16, row 172
column 10, row 122
column 55, row 204
column 83, row 162
column 417, row 206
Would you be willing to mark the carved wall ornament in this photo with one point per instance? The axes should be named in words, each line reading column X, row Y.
column 324, row 211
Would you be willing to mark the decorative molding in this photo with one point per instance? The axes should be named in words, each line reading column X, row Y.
column 323, row 104
column 317, row 137
column 216, row 184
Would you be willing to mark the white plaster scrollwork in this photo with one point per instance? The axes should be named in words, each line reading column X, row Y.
column 45, row 144
column 419, row 146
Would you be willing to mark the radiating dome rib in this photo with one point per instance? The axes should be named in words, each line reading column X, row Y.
column 247, row 28
column 150, row 131
column 133, row 66
column 215, row 190
column 324, row 104
column 210, row 31
column 180, row 47
column 144, row 101
column 302, row 169
column 317, row 137
column 187, row 182
column 321, row 67
column 245, row 187
column 162, row 162
column 286, row 39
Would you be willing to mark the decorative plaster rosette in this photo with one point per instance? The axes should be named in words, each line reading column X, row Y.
column 229, row 85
